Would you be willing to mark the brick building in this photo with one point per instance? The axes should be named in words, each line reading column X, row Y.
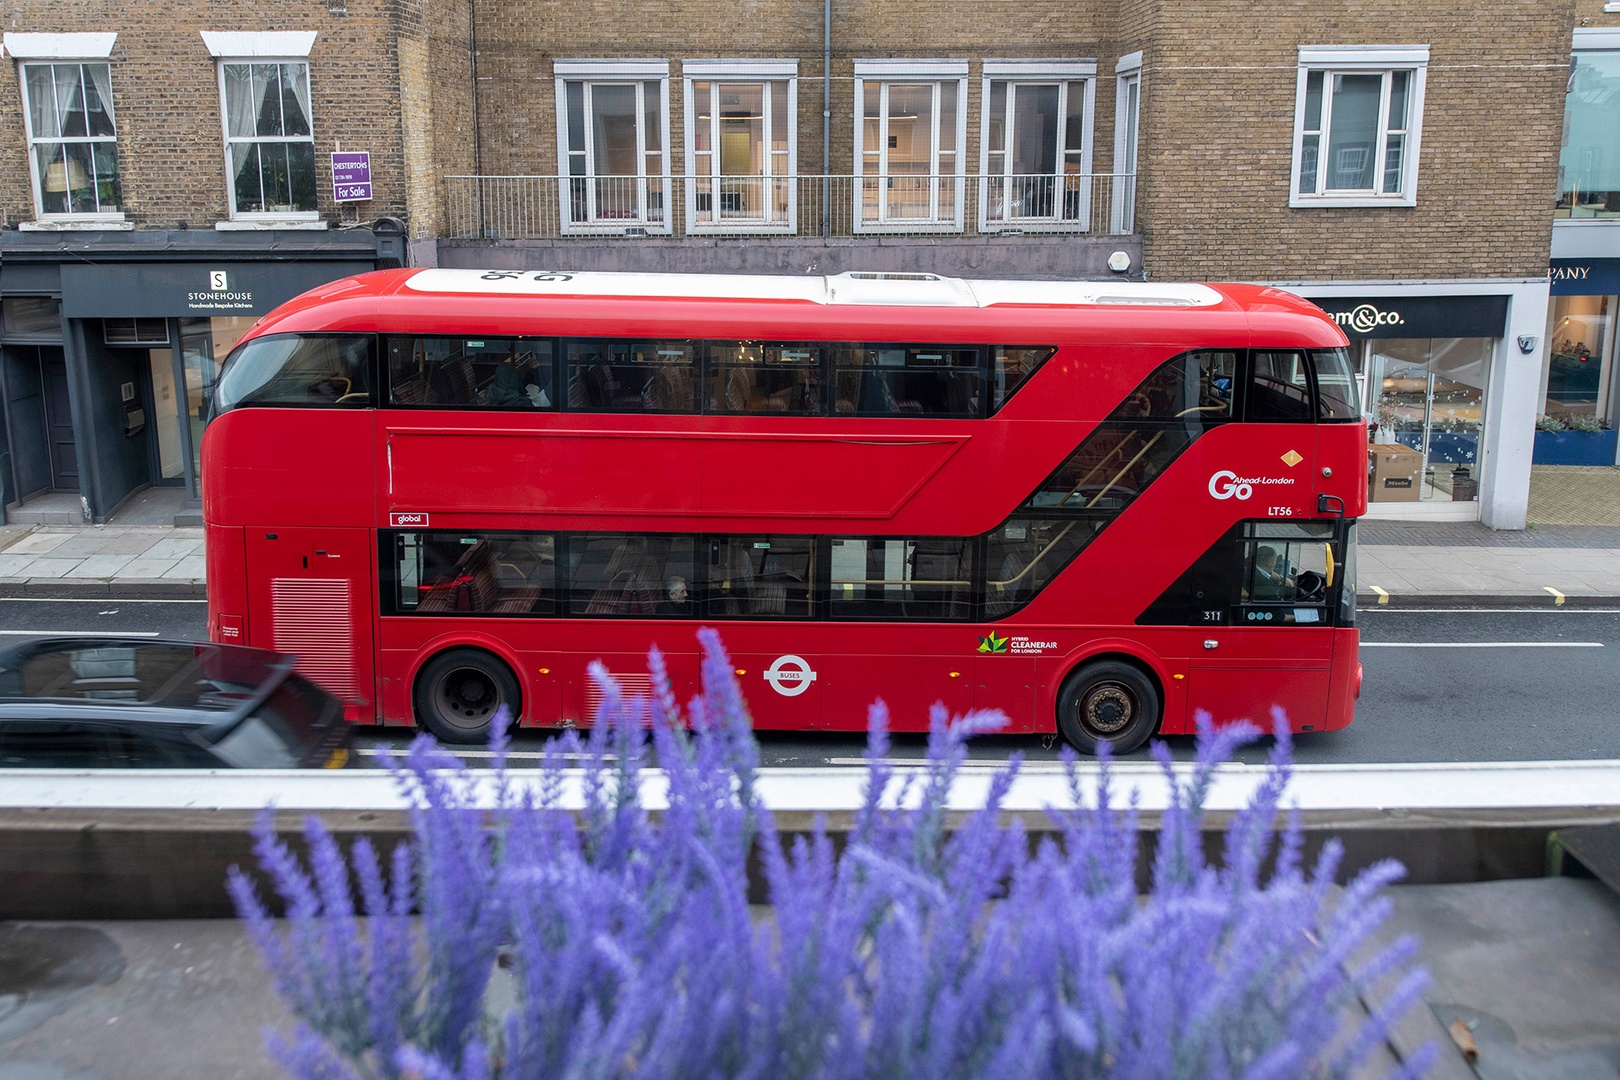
column 1392, row 161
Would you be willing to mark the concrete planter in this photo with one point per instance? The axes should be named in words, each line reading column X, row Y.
column 1574, row 447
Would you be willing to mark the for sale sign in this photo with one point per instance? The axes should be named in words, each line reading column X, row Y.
column 351, row 177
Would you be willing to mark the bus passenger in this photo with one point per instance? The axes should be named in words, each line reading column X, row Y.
column 674, row 601
column 506, row 388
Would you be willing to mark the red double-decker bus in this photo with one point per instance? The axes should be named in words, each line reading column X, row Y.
column 1098, row 506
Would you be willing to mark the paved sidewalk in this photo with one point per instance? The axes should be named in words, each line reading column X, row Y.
column 116, row 560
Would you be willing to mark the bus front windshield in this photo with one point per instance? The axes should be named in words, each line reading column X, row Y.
column 296, row 370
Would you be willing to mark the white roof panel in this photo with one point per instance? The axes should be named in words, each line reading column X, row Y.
column 859, row 288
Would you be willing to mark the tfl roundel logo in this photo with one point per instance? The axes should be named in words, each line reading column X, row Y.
column 1226, row 485
column 790, row 675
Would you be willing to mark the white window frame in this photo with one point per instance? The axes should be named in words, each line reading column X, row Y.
column 1026, row 73
column 947, row 77
column 1360, row 60
column 261, row 47
column 591, row 73
column 717, row 73
column 1127, row 142
column 34, row 49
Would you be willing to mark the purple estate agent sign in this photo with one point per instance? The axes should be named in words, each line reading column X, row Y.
column 351, row 177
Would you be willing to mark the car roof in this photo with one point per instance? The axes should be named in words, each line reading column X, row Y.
column 182, row 683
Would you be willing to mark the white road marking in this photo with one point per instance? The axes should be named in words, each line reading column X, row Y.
column 1490, row 611
column 96, row 600
column 1482, row 644
column 82, row 633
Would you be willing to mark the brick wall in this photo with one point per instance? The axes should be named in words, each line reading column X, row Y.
column 167, row 102
column 1218, row 135
column 396, row 77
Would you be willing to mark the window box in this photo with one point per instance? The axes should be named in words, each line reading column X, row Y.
column 1574, row 447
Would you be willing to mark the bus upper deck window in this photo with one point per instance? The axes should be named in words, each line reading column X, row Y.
column 1279, row 387
column 298, row 370
column 1335, row 386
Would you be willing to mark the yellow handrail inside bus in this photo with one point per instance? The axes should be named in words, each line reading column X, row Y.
column 1328, row 549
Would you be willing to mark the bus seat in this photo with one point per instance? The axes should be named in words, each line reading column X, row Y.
column 769, row 598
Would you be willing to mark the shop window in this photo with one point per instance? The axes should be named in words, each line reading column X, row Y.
column 1578, row 361
column 1358, row 114
column 1430, row 400
column 73, row 138
column 37, row 318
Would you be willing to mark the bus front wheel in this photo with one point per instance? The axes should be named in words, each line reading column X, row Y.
column 459, row 693
column 1110, row 702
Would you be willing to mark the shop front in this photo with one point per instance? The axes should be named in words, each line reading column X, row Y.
column 107, row 365
column 1443, row 377
column 1578, row 408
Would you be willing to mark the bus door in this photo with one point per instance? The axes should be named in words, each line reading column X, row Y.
column 1275, row 646
column 310, row 595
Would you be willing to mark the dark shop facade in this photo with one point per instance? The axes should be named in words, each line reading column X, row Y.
column 110, row 345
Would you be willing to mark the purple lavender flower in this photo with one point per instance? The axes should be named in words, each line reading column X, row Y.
column 531, row 941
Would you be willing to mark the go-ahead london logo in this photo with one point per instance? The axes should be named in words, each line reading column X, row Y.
column 790, row 675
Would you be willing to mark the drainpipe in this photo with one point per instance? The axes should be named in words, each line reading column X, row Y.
column 826, row 116
column 477, row 135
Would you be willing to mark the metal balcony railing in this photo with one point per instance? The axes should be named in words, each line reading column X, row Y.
column 559, row 207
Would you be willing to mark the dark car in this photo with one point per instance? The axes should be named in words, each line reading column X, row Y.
column 110, row 703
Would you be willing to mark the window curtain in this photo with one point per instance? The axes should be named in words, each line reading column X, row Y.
column 42, row 102
column 101, row 78
column 244, row 99
column 296, row 76
column 69, row 100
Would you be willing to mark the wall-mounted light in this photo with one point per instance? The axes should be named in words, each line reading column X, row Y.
column 1119, row 262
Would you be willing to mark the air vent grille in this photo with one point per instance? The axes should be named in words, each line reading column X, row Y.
column 311, row 619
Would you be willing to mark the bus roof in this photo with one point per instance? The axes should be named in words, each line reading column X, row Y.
column 856, row 287
column 856, row 303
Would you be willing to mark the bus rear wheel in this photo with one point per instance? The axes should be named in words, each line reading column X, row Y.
column 1110, row 702
column 459, row 693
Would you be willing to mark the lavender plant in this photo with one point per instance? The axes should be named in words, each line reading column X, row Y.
column 528, row 940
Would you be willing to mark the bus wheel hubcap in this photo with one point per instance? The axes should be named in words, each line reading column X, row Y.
column 1108, row 709
column 468, row 695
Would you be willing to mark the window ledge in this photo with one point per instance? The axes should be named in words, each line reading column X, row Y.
column 1361, row 202
column 100, row 224
column 262, row 224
